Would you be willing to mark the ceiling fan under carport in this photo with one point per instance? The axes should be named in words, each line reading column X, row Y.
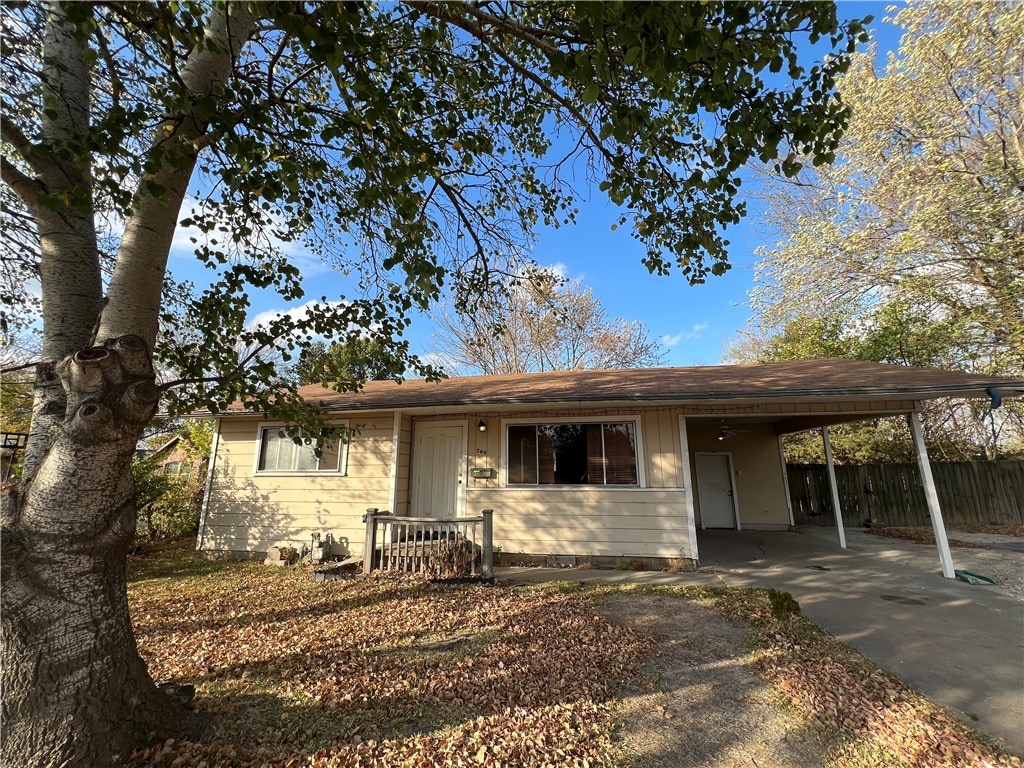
column 725, row 431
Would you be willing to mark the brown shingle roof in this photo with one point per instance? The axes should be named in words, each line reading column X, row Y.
column 852, row 379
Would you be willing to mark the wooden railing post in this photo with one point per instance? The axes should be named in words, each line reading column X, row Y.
column 487, row 556
column 370, row 545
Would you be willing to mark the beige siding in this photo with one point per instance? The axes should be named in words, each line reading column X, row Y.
column 587, row 522
column 252, row 512
column 404, row 463
column 757, row 473
column 484, row 452
column 661, row 449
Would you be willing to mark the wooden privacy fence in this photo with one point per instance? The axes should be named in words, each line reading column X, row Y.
column 441, row 548
column 970, row 493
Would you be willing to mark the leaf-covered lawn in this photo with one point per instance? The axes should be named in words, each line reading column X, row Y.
column 407, row 674
column 884, row 722
column 382, row 672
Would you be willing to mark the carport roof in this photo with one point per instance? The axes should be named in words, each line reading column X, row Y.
column 804, row 379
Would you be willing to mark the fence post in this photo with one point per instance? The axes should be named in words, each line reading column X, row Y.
column 487, row 556
column 370, row 545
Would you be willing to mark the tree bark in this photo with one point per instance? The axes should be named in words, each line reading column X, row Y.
column 76, row 691
column 69, row 266
column 136, row 285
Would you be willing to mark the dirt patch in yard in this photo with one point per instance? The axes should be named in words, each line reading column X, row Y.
column 699, row 701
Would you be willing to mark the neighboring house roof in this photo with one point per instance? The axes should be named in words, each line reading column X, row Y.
column 818, row 379
column 166, row 447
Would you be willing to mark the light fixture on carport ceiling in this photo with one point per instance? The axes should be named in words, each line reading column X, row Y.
column 724, row 431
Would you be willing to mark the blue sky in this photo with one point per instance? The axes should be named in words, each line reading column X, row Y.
column 693, row 324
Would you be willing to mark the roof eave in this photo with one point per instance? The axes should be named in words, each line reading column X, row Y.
column 702, row 398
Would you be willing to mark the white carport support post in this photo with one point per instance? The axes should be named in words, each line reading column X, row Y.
column 785, row 480
column 833, row 487
column 930, row 494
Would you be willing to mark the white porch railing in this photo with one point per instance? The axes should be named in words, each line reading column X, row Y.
column 440, row 548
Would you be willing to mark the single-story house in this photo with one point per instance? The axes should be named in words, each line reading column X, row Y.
column 595, row 463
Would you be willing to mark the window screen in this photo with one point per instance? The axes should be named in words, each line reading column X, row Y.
column 279, row 453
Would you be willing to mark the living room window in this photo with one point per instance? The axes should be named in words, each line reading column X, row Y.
column 280, row 453
column 572, row 454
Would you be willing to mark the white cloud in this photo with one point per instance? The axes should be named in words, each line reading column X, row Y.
column 671, row 341
column 559, row 269
column 267, row 315
column 696, row 331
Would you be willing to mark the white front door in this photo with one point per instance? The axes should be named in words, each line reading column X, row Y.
column 715, row 491
column 438, row 469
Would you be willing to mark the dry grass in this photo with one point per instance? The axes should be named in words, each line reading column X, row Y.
column 1015, row 529
column 885, row 723
column 404, row 673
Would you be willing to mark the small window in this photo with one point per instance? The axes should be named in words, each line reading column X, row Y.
column 572, row 454
column 172, row 468
column 280, row 453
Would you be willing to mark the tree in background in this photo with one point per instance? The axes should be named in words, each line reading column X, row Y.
column 925, row 205
column 16, row 403
column 169, row 482
column 914, row 238
column 539, row 322
column 17, row 383
column 409, row 144
column 902, row 335
column 348, row 363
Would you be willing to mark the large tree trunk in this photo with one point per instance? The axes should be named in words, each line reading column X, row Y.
column 76, row 691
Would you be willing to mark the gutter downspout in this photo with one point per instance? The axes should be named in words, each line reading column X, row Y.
column 834, row 488
column 932, row 497
column 209, row 485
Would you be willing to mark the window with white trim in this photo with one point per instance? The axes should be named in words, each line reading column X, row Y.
column 572, row 454
column 280, row 453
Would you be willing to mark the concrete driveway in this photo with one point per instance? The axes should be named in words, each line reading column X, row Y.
column 962, row 646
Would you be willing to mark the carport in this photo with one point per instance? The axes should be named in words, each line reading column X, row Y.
column 783, row 426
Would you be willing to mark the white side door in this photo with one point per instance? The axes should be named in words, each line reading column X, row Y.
column 438, row 469
column 715, row 491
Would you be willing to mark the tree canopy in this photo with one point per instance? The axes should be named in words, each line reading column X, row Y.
column 347, row 363
column 919, row 225
column 909, row 249
column 412, row 145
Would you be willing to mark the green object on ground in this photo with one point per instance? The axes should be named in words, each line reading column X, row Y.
column 973, row 578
